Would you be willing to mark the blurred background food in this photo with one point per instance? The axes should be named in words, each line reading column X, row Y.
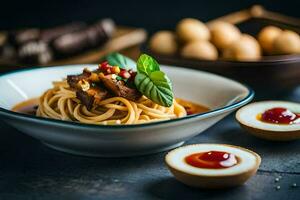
column 287, row 42
column 241, row 41
column 169, row 41
column 74, row 42
column 44, row 34
column 223, row 34
column 273, row 40
column 267, row 36
column 40, row 46
column 245, row 48
column 18, row 15
column 201, row 49
column 189, row 30
column 254, row 45
column 223, row 40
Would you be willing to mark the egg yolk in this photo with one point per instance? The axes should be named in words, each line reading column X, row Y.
column 211, row 160
column 279, row 115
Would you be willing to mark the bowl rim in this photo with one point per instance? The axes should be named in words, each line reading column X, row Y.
column 12, row 114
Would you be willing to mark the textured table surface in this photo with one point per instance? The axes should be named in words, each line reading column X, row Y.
column 29, row 170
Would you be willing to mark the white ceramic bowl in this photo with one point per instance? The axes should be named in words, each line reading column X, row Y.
column 220, row 94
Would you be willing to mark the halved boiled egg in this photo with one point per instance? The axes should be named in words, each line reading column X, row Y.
column 271, row 120
column 212, row 165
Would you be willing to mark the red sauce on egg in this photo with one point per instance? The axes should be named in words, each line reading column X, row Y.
column 279, row 115
column 211, row 160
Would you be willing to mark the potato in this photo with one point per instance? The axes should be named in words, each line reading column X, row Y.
column 223, row 34
column 201, row 49
column 164, row 42
column 189, row 30
column 267, row 36
column 244, row 49
column 288, row 42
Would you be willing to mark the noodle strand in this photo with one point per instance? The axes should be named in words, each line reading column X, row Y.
column 60, row 102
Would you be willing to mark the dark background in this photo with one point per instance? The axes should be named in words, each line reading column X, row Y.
column 151, row 14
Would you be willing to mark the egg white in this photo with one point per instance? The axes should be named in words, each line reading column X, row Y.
column 247, row 160
column 248, row 115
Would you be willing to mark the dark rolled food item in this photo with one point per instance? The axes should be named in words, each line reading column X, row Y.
column 35, row 52
column 47, row 35
column 90, row 37
column 40, row 46
column 18, row 38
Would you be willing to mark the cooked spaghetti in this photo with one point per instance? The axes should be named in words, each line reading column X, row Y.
column 113, row 94
column 61, row 102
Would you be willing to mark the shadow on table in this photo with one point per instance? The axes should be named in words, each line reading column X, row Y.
column 170, row 188
column 21, row 151
column 243, row 138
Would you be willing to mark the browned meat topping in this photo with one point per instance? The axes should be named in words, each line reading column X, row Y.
column 118, row 87
column 85, row 99
column 94, row 86
column 73, row 80
column 87, row 88
column 98, row 93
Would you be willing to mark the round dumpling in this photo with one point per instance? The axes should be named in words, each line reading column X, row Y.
column 200, row 50
column 164, row 42
column 192, row 30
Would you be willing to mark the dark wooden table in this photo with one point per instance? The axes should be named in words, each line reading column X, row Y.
column 29, row 170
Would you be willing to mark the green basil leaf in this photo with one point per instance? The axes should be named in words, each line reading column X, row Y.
column 157, row 87
column 146, row 64
column 116, row 59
